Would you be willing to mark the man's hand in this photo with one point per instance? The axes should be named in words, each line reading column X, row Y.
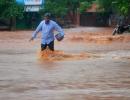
column 31, row 39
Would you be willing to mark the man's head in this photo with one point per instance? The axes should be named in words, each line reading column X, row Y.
column 47, row 17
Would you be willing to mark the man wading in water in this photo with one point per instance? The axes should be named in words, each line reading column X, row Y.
column 47, row 28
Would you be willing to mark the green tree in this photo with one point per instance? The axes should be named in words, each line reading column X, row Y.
column 56, row 7
column 118, row 6
column 122, row 6
column 84, row 5
column 10, row 10
column 64, row 7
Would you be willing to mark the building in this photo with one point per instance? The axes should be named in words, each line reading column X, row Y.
column 31, row 5
column 94, row 18
column 31, row 14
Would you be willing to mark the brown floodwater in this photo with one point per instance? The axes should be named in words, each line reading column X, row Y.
column 89, row 64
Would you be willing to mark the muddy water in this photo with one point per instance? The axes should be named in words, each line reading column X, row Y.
column 89, row 64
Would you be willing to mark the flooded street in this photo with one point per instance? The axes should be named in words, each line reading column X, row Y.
column 89, row 64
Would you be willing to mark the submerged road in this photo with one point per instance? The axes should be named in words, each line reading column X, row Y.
column 91, row 65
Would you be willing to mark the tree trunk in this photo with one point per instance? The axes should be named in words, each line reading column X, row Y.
column 13, row 23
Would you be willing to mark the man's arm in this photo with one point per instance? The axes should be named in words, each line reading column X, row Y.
column 38, row 29
column 59, row 29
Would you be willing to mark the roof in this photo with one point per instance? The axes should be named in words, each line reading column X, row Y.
column 93, row 8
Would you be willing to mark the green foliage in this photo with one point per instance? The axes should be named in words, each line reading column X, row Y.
column 105, row 5
column 118, row 6
column 122, row 6
column 62, row 7
column 84, row 5
column 9, row 8
column 55, row 7
column 72, row 5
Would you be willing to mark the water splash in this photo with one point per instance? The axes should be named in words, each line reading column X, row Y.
column 99, row 39
column 58, row 55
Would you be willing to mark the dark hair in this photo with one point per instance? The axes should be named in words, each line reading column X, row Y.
column 47, row 15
